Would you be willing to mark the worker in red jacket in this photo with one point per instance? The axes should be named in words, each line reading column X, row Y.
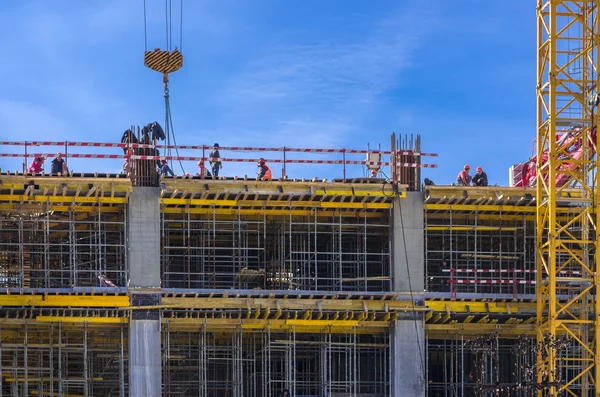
column 463, row 178
column 264, row 172
column 37, row 165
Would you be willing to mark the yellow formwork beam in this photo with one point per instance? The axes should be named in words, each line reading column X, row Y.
column 47, row 393
column 357, row 192
column 11, row 379
column 272, row 203
column 301, row 326
column 270, row 212
column 229, row 324
column 29, row 207
column 269, row 304
column 448, row 330
column 100, row 184
column 198, row 202
column 493, row 192
column 302, row 304
column 493, row 208
column 323, row 323
column 456, row 330
column 77, row 319
column 481, row 307
column 471, row 228
column 64, row 301
column 61, row 199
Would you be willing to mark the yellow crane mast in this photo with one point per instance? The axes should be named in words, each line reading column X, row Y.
column 567, row 267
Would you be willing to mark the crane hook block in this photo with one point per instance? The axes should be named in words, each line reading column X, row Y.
column 163, row 61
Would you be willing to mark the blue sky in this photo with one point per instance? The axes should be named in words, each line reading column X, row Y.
column 279, row 73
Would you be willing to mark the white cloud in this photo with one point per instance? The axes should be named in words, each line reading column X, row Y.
column 323, row 90
column 303, row 90
column 27, row 121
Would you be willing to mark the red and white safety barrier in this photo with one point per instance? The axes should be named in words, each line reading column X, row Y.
column 70, row 155
column 207, row 147
column 563, row 272
column 286, row 161
column 463, row 281
column 225, row 160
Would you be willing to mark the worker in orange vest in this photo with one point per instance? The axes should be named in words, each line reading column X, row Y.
column 265, row 172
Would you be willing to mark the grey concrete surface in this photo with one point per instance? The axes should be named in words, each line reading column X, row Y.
column 408, row 366
column 143, row 237
column 408, row 245
column 144, row 358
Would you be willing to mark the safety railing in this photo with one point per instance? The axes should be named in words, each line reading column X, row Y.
column 200, row 153
column 506, row 280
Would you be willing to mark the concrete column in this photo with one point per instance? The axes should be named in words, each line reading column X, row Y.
column 408, row 338
column 409, row 248
column 409, row 361
column 143, row 237
column 145, row 371
column 143, row 245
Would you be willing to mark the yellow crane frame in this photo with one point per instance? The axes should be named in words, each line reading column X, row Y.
column 567, row 64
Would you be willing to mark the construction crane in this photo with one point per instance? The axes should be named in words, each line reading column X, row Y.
column 166, row 61
column 565, row 177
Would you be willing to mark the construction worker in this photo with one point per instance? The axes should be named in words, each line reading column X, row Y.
column 127, row 165
column 59, row 165
column 165, row 169
column 37, row 165
column 480, row 178
column 463, row 178
column 215, row 164
column 202, row 170
column 373, row 173
column 264, row 170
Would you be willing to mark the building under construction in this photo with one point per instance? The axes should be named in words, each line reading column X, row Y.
column 135, row 285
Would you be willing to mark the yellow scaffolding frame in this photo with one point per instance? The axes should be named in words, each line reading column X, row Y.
column 567, row 32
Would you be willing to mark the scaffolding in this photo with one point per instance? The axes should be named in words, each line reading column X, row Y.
column 265, row 363
column 471, row 247
column 52, row 248
column 319, row 252
column 91, row 360
column 456, row 370
column 63, row 360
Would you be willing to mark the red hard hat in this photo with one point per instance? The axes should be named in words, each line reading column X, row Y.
column 467, row 167
column 479, row 169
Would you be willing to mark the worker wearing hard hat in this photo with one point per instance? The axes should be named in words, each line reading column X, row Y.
column 480, row 178
column 59, row 165
column 37, row 165
column 463, row 178
column 215, row 160
column 164, row 169
column 264, row 172
column 202, row 170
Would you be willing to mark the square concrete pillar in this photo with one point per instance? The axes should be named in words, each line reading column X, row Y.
column 143, row 237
